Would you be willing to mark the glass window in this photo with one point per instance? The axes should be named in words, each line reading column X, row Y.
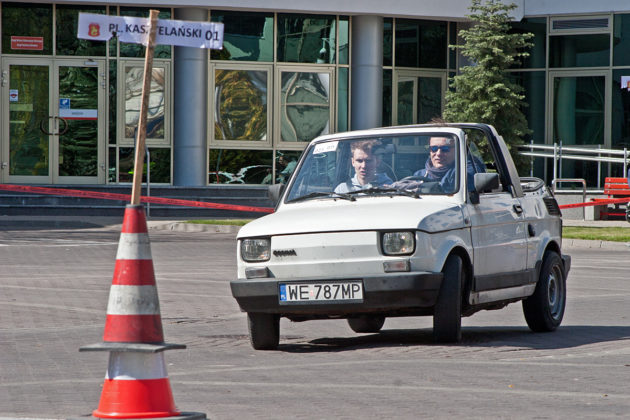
column 579, row 50
column 342, row 100
column 421, row 43
column 137, row 50
column 388, row 35
column 620, row 110
column 344, row 39
column 113, row 107
column 246, row 36
column 286, row 161
column 230, row 166
column 533, row 84
column 27, row 28
column 538, row 27
column 304, row 105
column 359, row 166
column 67, row 22
column 621, row 40
column 241, row 104
column 156, row 124
column 387, row 98
column 160, row 165
column 452, row 40
column 306, row 38
column 111, row 166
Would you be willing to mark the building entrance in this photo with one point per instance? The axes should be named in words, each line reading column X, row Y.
column 418, row 96
column 53, row 121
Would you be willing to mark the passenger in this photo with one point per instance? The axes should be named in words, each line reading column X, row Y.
column 364, row 161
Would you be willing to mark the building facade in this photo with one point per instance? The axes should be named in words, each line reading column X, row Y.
column 242, row 115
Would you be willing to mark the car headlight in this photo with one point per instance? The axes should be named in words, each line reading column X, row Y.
column 399, row 243
column 255, row 250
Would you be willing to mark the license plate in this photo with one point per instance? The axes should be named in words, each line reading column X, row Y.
column 317, row 292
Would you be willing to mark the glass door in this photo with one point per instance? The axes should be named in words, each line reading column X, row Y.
column 53, row 127
column 578, row 117
column 418, row 96
column 78, row 122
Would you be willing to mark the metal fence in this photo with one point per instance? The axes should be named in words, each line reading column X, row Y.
column 558, row 153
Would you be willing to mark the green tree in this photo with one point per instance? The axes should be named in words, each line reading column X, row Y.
column 484, row 92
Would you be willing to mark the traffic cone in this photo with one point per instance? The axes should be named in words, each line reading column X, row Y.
column 136, row 383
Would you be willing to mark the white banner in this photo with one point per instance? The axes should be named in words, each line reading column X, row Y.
column 135, row 30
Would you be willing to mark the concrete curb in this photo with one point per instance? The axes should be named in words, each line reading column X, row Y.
column 193, row 227
column 586, row 243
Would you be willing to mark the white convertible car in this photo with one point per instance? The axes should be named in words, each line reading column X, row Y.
column 403, row 221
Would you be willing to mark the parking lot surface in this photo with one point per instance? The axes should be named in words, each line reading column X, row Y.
column 54, row 285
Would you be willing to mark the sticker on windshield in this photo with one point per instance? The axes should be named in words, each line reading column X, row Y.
column 330, row 146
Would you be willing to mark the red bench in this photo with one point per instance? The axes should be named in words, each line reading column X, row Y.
column 615, row 188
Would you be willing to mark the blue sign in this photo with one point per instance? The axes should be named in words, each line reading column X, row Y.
column 64, row 103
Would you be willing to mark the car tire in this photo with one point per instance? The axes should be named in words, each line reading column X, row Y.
column 545, row 308
column 447, row 314
column 264, row 330
column 366, row 323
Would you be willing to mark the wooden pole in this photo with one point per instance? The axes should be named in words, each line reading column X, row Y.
column 142, row 123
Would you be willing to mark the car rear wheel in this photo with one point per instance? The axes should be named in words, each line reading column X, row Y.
column 264, row 330
column 366, row 323
column 447, row 315
column 544, row 309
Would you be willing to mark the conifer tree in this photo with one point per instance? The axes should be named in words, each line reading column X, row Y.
column 484, row 92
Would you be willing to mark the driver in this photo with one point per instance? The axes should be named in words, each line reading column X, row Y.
column 440, row 165
column 364, row 161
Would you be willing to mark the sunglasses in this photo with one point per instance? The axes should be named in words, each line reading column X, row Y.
column 444, row 149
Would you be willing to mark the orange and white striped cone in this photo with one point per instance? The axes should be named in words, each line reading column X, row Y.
column 136, row 384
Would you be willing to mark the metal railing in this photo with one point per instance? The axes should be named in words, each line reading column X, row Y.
column 558, row 153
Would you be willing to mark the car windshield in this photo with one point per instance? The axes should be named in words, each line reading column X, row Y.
column 410, row 165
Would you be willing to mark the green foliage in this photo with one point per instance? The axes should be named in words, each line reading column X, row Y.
column 484, row 92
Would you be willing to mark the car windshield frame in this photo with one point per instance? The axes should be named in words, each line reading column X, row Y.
column 396, row 164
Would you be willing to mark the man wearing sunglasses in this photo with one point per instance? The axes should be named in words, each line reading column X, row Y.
column 440, row 166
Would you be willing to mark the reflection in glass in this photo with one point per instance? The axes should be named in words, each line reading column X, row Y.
column 160, row 165
column 344, row 37
column 387, row 97
column 579, row 50
column 133, row 99
column 429, row 98
column 578, row 118
column 621, row 40
column 67, row 23
column 306, row 38
column 387, row 41
column 286, row 162
column 241, row 105
column 305, row 105
column 230, row 166
column 538, row 27
column 247, row 36
column 342, row 100
column 78, row 145
column 27, row 20
column 28, row 145
column 620, row 111
column 405, row 101
column 113, row 108
column 421, row 43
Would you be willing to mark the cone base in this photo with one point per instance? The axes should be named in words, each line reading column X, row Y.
column 136, row 399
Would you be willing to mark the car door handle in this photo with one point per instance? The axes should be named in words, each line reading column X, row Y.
column 517, row 208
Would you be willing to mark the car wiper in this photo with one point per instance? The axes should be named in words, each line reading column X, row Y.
column 316, row 194
column 390, row 190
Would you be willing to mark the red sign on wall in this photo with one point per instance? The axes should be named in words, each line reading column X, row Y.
column 27, row 43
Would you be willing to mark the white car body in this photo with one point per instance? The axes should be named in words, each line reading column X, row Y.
column 501, row 236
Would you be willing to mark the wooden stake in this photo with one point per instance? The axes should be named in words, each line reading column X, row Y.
column 138, row 168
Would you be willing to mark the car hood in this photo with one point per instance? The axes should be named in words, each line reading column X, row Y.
column 430, row 214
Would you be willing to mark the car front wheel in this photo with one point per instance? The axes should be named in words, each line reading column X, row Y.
column 264, row 330
column 545, row 308
column 447, row 314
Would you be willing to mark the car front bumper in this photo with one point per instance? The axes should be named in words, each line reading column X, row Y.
column 380, row 294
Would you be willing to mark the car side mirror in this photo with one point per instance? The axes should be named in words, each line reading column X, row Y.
column 274, row 192
column 486, row 182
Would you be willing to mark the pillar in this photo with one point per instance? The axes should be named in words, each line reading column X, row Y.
column 190, row 116
column 367, row 72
